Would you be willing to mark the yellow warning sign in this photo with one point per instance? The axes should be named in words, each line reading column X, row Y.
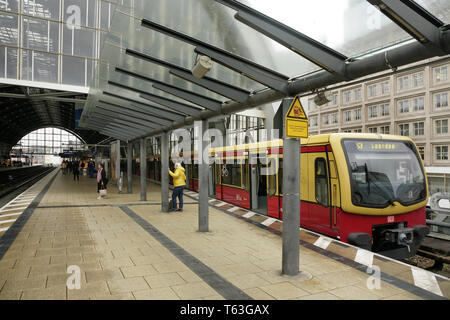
column 296, row 121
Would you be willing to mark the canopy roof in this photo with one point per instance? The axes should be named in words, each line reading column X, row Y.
column 143, row 84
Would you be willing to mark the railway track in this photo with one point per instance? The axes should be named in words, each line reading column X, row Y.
column 16, row 197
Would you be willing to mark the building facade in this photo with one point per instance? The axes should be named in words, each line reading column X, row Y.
column 412, row 101
column 52, row 41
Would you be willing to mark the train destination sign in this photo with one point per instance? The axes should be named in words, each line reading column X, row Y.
column 296, row 120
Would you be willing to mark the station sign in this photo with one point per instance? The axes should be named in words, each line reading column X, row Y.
column 296, row 120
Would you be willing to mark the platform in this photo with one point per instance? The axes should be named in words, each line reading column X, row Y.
column 128, row 249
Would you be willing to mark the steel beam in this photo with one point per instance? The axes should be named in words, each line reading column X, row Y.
column 130, row 116
column 308, row 48
column 203, row 173
column 414, row 19
column 177, row 106
column 101, row 113
column 134, row 113
column 163, row 111
column 259, row 73
column 205, row 102
column 219, row 87
column 174, row 105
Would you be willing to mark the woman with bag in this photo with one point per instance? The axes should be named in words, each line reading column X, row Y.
column 102, row 181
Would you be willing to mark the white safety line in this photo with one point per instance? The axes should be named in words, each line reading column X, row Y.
column 233, row 209
column 20, row 201
column 7, row 210
column 15, row 205
column 3, row 229
column 364, row 257
column 11, row 214
column 7, row 221
column 249, row 214
column 212, row 200
column 221, row 204
column 426, row 280
column 322, row 242
column 268, row 221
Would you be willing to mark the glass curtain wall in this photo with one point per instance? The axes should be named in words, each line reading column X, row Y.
column 54, row 41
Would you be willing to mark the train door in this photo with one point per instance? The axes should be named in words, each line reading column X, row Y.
column 259, row 193
column 211, row 183
column 335, row 194
column 319, row 217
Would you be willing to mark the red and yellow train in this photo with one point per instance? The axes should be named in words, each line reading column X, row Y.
column 368, row 190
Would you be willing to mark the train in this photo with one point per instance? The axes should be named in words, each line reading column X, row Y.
column 368, row 190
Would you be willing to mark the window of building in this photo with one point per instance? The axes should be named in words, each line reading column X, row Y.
column 347, row 131
column 313, row 122
column 441, row 152
column 403, row 129
column 403, row 106
column 334, row 118
column 417, row 79
column 372, row 90
column 419, row 128
column 422, row 152
column 441, row 100
column 347, row 116
column 312, row 105
column 440, row 74
column 418, row 104
column 385, row 87
column 321, row 182
column 325, row 119
column 384, row 109
column 441, row 126
column 373, row 111
column 403, row 83
column 357, row 114
column 373, row 130
column 357, row 92
column 347, row 96
column 357, row 130
column 385, row 130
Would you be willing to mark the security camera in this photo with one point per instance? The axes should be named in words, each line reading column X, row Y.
column 322, row 98
column 201, row 66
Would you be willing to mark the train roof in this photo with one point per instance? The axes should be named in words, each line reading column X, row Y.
column 311, row 140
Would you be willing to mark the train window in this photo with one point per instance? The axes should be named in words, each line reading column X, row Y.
column 231, row 175
column 321, row 181
column 246, row 176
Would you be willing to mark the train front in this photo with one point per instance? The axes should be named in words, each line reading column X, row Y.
column 384, row 193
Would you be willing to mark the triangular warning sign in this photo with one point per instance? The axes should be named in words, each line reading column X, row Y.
column 296, row 110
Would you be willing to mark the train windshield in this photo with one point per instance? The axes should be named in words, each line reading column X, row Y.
column 382, row 172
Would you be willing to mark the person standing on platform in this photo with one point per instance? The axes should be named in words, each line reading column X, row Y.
column 91, row 169
column 76, row 170
column 102, row 181
column 179, row 182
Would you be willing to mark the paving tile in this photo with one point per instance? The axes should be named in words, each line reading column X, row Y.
column 10, row 295
column 248, row 281
column 24, row 284
column 54, row 293
column 243, row 268
column 156, row 294
column 128, row 285
column 118, row 296
column 138, row 271
column 403, row 296
column 68, row 259
column 319, row 296
column 95, row 289
column 47, row 269
column 167, row 267
column 116, row 263
column 103, row 275
column 193, row 290
column 283, row 291
column 164, row 280
column 189, row 276
column 354, row 293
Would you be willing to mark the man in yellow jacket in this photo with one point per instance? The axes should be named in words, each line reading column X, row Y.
column 179, row 182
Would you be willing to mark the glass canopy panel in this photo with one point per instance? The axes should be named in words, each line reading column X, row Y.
column 351, row 27
column 439, row 8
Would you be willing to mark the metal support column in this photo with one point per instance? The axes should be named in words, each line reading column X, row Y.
column 143, row 156
column 203, row 173
column 130, row 167
column 291, row 201
column 117, row 160
column 165, row 172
